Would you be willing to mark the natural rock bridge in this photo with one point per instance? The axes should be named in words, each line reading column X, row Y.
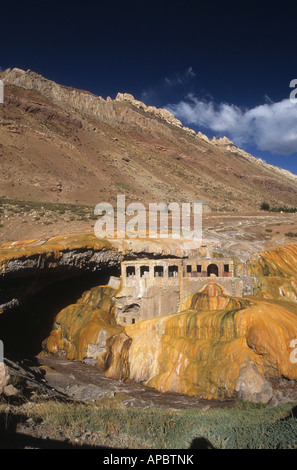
column 38, row 278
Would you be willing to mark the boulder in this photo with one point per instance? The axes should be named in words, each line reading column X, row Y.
column 10, row 391
column 4, row 377
column 252, row 386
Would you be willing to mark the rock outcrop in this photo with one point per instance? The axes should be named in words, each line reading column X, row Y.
column 4, row 377
column 82, row 100
column 45, row 260
column 252, row 386
column 81, row 329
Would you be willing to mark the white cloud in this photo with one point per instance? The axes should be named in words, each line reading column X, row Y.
column 271, row 126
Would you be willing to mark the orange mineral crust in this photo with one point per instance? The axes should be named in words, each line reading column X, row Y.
column 201, row 352
column 81, row 329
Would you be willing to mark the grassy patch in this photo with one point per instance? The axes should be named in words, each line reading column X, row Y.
column 265, row 206
column 18, row 206
column 246, row 426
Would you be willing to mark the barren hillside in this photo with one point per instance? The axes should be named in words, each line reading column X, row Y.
column 59, row 144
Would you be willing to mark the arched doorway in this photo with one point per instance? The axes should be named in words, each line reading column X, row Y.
column 212, row 270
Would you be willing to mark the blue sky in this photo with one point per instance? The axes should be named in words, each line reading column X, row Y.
column 221, row 67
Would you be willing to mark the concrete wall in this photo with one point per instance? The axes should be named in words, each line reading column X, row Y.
column 147, row 296
column 232, row 286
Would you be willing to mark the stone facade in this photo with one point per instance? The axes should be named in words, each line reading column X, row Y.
column 153, row 288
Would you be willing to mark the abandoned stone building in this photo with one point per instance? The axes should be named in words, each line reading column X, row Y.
column 152, row 288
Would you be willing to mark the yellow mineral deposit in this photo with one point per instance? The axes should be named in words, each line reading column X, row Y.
column 81, row 329
column 276, row 273
column 50, row 247
column 201, row 352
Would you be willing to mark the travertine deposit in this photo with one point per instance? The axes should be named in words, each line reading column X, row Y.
column 218, row 346
column 276, row 274
column 203, row 351
column 81, row 330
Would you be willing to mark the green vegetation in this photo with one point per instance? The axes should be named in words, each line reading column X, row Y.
column 266, row 207
column 246, row 426
column 123, row 186
column 18, row 206
column 37, row 205
column 291, row 234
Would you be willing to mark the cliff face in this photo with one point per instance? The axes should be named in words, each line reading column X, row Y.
column 120, row 146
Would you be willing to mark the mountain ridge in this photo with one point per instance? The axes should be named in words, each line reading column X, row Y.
column 63, row 144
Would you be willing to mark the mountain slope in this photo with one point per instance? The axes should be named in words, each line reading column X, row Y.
column 60, row 144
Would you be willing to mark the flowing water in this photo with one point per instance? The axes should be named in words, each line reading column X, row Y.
column 86, row 382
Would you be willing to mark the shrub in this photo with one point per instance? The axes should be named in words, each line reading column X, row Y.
column 265, row 206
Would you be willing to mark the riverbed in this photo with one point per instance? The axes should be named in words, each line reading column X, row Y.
column 84, row 382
